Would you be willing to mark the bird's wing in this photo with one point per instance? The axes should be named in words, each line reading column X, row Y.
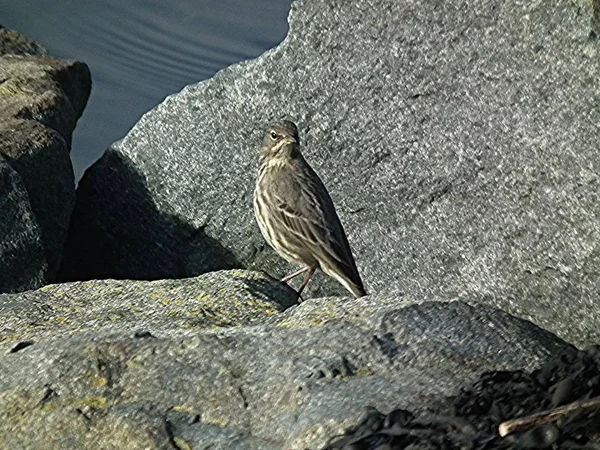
column 307, row 211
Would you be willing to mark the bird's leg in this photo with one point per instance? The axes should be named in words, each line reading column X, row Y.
column 309, row 274
column 295, row 274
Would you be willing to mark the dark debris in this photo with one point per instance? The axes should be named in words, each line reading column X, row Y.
column 470, row 420
column 20, row 346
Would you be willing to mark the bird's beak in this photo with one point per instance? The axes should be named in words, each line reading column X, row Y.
column 291, row 140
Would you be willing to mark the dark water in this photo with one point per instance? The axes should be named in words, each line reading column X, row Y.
column 140, row 51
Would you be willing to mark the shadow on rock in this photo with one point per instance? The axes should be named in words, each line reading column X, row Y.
column 264, row 287
column 119, row 232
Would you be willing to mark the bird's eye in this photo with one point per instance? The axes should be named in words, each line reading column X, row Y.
column 273, row 135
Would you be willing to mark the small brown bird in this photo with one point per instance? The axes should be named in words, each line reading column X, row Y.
column 296, row 215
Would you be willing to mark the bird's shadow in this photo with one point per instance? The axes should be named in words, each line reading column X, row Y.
column 285, row 295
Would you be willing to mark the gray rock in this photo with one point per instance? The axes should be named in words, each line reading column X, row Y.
column 215, row 299
column 458, row 140
column 23, row 265
column 103, row 363
column 12, row 43
column 41, row 99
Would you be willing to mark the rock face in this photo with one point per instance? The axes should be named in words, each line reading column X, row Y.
column 459, row 141
column 41, row 99
column 218, row 361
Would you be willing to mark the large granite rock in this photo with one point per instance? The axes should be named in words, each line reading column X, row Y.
column 459, row 141
column 219, row 362
column 41, row 99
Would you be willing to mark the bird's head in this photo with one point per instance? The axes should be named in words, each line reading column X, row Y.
column 281, row 140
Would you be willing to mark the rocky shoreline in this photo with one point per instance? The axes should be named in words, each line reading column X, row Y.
column 459, row 143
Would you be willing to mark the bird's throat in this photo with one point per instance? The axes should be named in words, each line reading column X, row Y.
column 282, row 153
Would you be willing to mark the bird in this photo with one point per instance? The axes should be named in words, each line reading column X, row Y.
column 296, row 215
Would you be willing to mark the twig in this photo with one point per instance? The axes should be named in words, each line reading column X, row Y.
column 523, row 423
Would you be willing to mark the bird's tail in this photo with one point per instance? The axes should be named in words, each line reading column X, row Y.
column 357, row 290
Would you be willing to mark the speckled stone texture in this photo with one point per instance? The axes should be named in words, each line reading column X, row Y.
column 217, row 299
column 459, row 141
column 222, row 361
column 41, row 99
